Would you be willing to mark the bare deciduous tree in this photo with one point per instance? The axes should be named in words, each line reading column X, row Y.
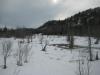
column 45, row 45
column 89, row 40
column 90, row 50
column 71, row 42
column 6, row 45
column 27, row 49
column 41, row 38
column 70, row 34
column 80, row 64
column 20, row 53
column 83, row 64
column 29, row 38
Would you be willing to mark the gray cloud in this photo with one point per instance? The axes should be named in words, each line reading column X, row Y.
column 33, row 13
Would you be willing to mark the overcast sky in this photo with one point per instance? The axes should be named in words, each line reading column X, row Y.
column 33, row 13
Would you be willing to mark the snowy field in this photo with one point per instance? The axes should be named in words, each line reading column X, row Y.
column 54, row 61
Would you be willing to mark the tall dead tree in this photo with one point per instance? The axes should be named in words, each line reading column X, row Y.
column 89, row 40
column 68, row 32
column 71, row 35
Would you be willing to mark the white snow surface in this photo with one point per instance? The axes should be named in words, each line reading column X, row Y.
column 55, row 61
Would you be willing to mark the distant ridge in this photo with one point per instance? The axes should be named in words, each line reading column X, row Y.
column 79, row 23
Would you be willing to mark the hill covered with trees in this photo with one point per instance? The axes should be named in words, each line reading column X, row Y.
column 79, row 24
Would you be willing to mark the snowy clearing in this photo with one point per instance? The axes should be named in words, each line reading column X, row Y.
column 54, row 61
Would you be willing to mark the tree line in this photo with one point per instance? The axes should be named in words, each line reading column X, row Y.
column 18, row 32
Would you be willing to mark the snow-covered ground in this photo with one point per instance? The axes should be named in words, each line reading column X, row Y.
column 55, row 61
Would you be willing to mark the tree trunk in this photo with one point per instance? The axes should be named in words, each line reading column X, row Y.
column 19, row 62
column 5, row 66
column 71, row 43
column 97, row 57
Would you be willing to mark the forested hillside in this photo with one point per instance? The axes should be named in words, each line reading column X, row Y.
column 78, row 24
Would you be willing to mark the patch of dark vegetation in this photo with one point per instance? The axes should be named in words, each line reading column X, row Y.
column 66, row 46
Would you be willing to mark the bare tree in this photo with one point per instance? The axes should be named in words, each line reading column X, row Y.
column 89, row 47
column 68, row 32
column 89, row 40
column 71, row 36
column 80, row 64
column 97, row 57
column 71, row 42
column 79, row 68
column 83, row 64
column 45, row 45
column 20, row 53
column 41, row 38
column 88, row 67
column 6, row 45
column 29, row 38
column 27, row 49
